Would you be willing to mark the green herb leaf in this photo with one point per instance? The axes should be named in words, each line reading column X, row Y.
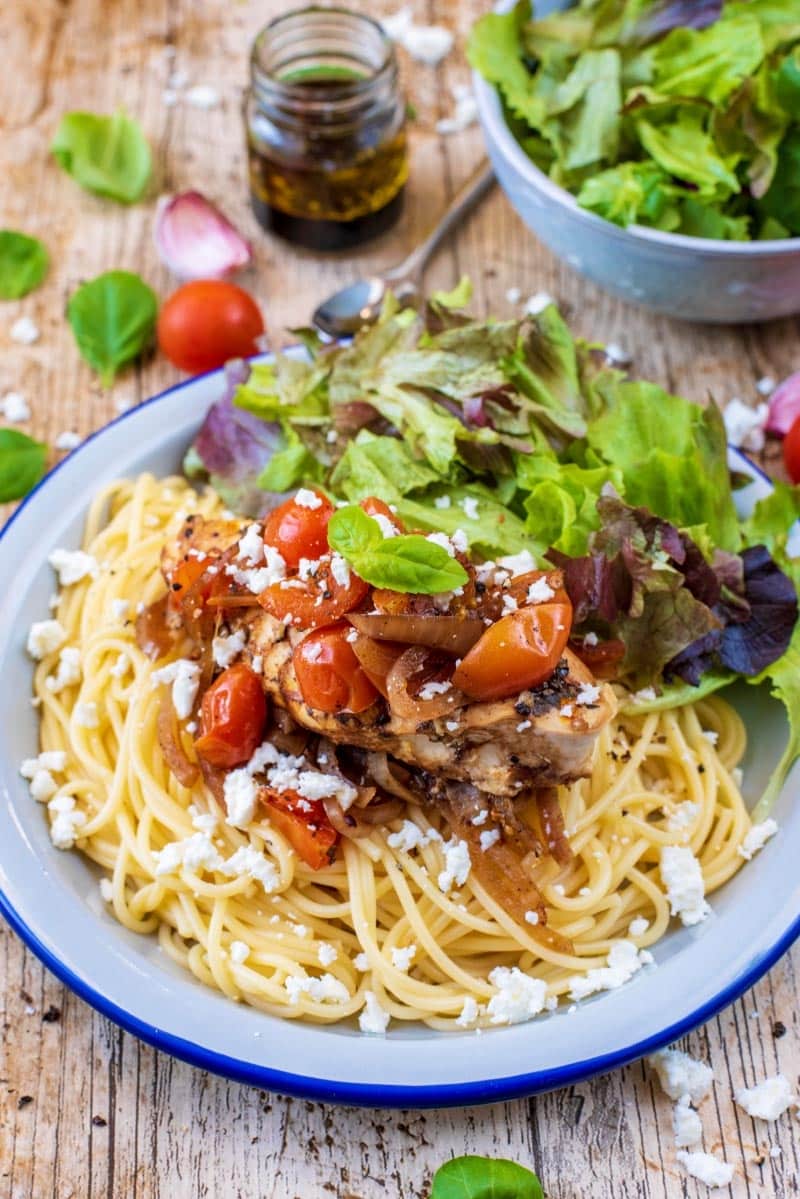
column 23, row 264
column 473, row 1177
column 407, row 563
column 290, row 466
column 107, row 155
column 113, row 318
column 22, row 462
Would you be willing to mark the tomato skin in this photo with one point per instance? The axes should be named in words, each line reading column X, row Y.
column 206, row 322
column 791, row 452
column 330, row 676
column 233, row 718
column 375, row 507
column 304, row 823
column 301, row 605
column 519, row 651
column 297, row 532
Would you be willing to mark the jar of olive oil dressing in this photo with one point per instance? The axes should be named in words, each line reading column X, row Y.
column 325, row 129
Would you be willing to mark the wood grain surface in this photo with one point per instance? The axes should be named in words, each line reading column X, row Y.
column 85, row 1109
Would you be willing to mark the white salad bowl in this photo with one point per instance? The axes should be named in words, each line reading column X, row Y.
column 51, row 898
column 693, row 278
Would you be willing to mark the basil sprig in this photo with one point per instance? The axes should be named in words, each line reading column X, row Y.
column 23, row 264
column 107, row 155
column 113, row 318
column 474, row 1177
column 21, row 464
column 406, row 563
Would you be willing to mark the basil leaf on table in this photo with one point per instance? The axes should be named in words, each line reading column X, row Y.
column 22, row 463
column 408, row 563
column 23, row 264
column 113, row 318
column 107, row 155
column 473, row 1177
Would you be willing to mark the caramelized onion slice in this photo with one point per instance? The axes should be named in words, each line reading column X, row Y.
column 169, row 740
column 154, row 636
column 413, row 669
column 452, row 634
column 552, row 822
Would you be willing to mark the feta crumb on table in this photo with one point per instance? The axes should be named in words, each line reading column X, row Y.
column 768, row 1099
column 68, row 440
column 707, row 1168
column 686, row 1124
column 202, row 96
column 680, row 1074
column 15, row 408
column 24, row 331
column 427, row 44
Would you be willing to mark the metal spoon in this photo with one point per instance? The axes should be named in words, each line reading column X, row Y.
column 358, row 304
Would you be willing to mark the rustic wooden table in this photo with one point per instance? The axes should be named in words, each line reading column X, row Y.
column 85, row 1109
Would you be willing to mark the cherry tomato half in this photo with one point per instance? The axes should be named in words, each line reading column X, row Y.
column 791, row 452
column 519, row 651
column 298, row 531
column 233, row 717
column 304, row 823
column 329, row 674
column 309, row 603
column 375, row 507
column 206, row 322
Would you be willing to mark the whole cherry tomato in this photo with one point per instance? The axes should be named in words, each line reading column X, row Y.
column 329, row 674
column 206, row 322
column 233, row 717
column 519, row 651
column 298, row 530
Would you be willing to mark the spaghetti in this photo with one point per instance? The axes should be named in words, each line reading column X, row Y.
column 374, row 934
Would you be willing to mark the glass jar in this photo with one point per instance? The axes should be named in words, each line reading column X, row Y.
column 325, row 129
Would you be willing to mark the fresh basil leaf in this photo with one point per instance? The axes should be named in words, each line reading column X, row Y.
column 23, row 264
column 113, row 318
column 473, row 1177
column 21, row 464
column 107, row 155
column 352, row 533
column 411, row 563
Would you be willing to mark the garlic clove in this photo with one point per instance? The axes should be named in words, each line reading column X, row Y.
column 195, row 240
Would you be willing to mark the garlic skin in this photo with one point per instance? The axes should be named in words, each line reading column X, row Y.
column 195, row 240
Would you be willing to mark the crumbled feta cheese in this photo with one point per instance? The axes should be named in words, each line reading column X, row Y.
column 707, row 1168
column 588, row 694
column 202, row 96
column 540, row 592
column 757, row 838
column 307, row 498
column 247, row 862
column 120, row 609
column 489, row 838
column 195, row 853
column 43, row 786
column 685, row 886
column 373, row 1018
column 428, row 44
column 452, row 726
column 225, row 649
column 469, row 1013
column 624, row 960
column 456, row 864
column 402, row 957
column 106, row 890
column 432, row 689
column 68, row 440
column 257, row 664
column 509, row 605
column 409, row 837
column 638, row 926
column 531, row 917
column 686, row 1124
column 537, row 303
column 590, row 639
column 72, row 565
column 49, row 759
column 513, row 295
column 300, row 930
column 683, row 816
column 519, row 997
column 15, row 407
column 679, row 1074
column 361, row 962
column 711, row 736
column 24, row 331
column 258, row 579
column 464, row 114
column 645, row 696
column 68, row 672
column 120, row 667
column 744, row 426
column 766, row 386
column 239, row 952
column 566, row 711
column 442, row 502
column 387, row 527
column 45, row 637
column 326, row 989
column 618, row 354
column 241, row 795
column 469, row 506
column 768, row 1099
column 86, row 715
column 251, row 546
column 460, row 544
column 523, row 726
column 480, row 818
column 67, row 821
column 515, row 564
column 444, row 541
column 327, row 954
column 184, row 675
column 340, row 571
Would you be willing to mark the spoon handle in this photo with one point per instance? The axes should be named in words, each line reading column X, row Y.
column 463, row 201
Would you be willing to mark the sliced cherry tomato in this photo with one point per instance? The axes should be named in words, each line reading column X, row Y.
column 791, row 452
column 375, row 507
column 329, row 674
column 602, row 658
column 184, row 576
column 299, row 532
column 518, row 652
column 233, row 717
column 316, row 601
column 304, row 823
column 206, row 322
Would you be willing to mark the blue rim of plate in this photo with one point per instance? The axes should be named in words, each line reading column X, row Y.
column 365, row 1094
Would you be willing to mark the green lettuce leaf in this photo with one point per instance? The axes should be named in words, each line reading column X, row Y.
column 779, row 20
column 633, row 193
column 684, row 149
column 782, row 201
column 709, row 63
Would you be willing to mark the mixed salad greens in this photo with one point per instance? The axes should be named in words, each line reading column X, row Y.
column 683, row 115
column 531, row 442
